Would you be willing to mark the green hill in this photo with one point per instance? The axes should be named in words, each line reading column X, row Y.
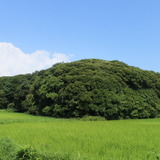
column 111, row 89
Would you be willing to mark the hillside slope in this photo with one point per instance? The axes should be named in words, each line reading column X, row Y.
column 111, row 89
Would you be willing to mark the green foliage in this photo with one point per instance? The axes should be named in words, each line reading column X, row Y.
column 3, row 99
column 47, row 111
column 33, row 110
column 92, row 118
column 93, row 87
column 27, row 153
column 11, row 106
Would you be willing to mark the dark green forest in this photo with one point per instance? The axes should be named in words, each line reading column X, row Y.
column 111, row 89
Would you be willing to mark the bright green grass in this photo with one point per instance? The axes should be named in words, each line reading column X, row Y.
column 84, row 140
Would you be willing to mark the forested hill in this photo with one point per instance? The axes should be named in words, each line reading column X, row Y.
column 111, row 89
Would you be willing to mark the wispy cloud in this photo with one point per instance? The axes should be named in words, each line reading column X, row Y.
column 14, row 61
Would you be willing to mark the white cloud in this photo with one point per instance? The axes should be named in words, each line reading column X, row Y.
column 14, row 61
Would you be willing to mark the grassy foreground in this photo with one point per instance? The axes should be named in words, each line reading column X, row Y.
column 82, row 140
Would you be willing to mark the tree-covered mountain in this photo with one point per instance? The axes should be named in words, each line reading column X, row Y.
column 111, row 89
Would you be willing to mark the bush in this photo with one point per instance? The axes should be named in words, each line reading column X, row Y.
column 11, row 151
column 92, row 118
column 11, row 107
column 47, row 111
column 26, row 153
column 7, row 149
column 33, row 110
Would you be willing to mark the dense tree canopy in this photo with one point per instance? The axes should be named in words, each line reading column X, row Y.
column 111, row 89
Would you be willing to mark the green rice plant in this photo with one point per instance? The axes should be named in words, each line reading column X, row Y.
column 71, row 139
column 11, row 151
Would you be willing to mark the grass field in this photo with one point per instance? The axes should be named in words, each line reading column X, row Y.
column 84, row 140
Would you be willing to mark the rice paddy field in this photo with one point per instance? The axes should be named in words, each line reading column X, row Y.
column 73, row 139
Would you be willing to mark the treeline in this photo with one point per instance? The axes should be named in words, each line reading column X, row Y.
column 110, row 89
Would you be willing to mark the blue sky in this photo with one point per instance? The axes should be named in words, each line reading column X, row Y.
column 78, row 29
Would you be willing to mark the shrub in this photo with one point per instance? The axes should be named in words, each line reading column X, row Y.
column 47, row 111
column 11, row 151
column 7, row 149
column 26, row 153
column 11, row 106
column 33, row 110
column 92, row 118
